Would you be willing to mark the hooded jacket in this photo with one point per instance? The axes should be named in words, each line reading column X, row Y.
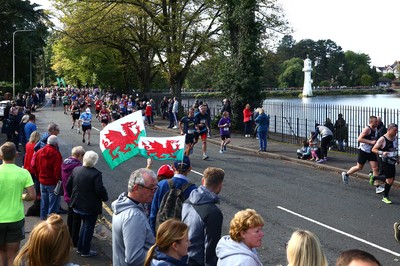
column 204, row 219
column 47, row 165
column 131, row 233
column 232, row 253
column 66, row 169
column 162, row 259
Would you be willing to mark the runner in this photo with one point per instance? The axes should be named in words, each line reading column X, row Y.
column 98, row 104
column 86, row 119
column 53, row 100
column 224, row 131
column 65, row 102
column 201, row 119
column 188, row 126
column 386, row 147
column 367, row 140
column 75, row 112
column 104, row 116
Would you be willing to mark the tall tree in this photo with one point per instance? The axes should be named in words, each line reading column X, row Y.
column 244, row 23
column 21, row 15
column 187, row 30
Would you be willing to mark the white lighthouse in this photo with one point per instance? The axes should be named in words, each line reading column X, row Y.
column 307, row 89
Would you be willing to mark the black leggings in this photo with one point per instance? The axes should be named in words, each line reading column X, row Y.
column 325, row 142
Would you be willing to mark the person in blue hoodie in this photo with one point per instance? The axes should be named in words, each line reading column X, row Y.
column 172, row 242
column 245, row 235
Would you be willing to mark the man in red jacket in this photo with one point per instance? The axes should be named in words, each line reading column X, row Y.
column 47, row 167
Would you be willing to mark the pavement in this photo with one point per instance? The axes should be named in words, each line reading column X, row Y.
column 337, row 162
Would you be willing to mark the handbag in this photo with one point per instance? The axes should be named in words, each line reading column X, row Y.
column 58, row 189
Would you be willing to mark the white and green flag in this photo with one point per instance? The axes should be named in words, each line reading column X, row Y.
column 162, row 148
column 119, row 140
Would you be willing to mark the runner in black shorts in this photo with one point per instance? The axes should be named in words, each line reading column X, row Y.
column 75, row 113
column 188, row 126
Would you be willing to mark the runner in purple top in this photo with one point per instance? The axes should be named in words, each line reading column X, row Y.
column 224, row 131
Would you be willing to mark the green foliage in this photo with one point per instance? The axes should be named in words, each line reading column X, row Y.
column 21, row 15
column 390, row 76
column 291, row 73
column 366, row 80
column 325, row 83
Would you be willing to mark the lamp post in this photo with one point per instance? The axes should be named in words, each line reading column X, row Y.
column 14, row 58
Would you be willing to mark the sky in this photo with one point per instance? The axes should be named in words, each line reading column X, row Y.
column 361, row 26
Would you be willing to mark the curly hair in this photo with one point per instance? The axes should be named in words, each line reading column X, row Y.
column 242, row 221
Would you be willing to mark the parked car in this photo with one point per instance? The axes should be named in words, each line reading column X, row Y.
column 3, row 105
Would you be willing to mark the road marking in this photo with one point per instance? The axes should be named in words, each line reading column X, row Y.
column 96, row 128
column 340, row 232
column 197, row 173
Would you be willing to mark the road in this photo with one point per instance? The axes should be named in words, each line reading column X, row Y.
column 288, row 195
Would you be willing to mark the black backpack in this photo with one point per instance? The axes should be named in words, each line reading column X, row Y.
column 171, row 203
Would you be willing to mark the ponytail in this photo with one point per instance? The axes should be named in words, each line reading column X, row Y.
column 150, row 255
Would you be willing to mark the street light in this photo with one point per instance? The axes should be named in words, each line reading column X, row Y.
column 14, row 58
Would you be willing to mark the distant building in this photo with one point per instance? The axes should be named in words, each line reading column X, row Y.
column 393, row 68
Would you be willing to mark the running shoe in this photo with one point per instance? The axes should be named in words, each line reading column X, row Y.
column 79, row 131
column 396, row 231
column 221, row 151
column 380, row 189
column 345, row 177
column 371, row 178
column 386, row 200
column 175, row 127
column 205, row 157
column 321, row 161
column 83, row 140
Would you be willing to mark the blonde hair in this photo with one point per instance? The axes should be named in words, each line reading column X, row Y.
column 49, row 243
column 242, row 221
column 168, row 232
column 34, row 137
column 304, row 249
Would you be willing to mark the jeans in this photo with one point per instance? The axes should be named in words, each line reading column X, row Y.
column 86, row 233
column 49, row 203
column 263, row 140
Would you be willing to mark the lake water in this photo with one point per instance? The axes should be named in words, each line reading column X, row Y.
column 378, row 100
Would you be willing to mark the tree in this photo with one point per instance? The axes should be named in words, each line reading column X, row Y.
column 356, row 65
column 244, row 23
column 291, row 73
column 21, row 15
column 390, row 76
column 187, row 30
column 113, row 27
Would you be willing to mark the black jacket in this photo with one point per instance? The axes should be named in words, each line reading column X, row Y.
column 85, row 187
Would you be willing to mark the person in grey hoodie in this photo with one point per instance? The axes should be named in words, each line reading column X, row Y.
column 245, row 234
column 132, row 236
column 204, row 218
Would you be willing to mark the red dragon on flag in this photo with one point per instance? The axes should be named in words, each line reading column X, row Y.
column 169, row 148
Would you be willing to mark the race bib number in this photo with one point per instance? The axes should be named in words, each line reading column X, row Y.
column 190, row 131
column 226, row 128
column 203, row 121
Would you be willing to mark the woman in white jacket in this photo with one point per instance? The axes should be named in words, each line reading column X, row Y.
column 245, row 234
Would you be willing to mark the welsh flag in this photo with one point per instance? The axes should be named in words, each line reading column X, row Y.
column 119, row 140
column 162, row 148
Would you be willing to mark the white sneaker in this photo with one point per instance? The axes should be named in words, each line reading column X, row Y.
column 175, row 127
column 345, row 177
column 380, row 189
